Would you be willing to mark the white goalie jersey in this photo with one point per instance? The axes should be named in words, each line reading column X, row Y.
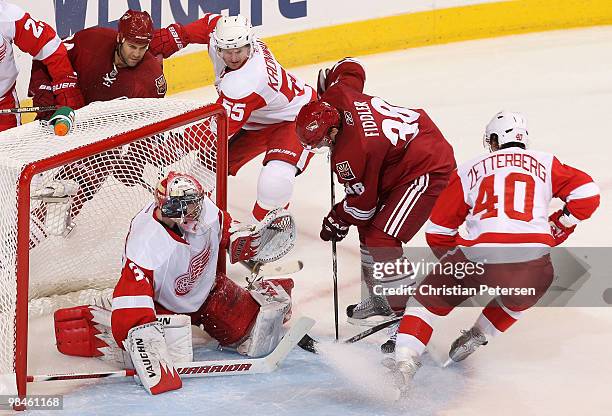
column 160, row 267
column 185, row 267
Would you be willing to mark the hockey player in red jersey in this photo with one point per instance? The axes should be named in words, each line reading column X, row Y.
column 393, row 163
column 39, row 40
column 503, row 198
column 262, row 100
column 110, row 63
column 170, row 270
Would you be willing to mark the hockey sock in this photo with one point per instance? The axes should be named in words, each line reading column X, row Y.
column 496, row 318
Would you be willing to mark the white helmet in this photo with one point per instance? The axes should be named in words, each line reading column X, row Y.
column 233, row 32
column 507, row 127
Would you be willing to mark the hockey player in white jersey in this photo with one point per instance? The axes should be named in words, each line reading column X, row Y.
column 503, row 198
column 262, row 100
column 171, row 271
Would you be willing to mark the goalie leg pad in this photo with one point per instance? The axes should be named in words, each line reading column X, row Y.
column 85, row 331
column 280, row 288
column 268, row 329
column 177, row 331
column 75, row 332
column 228, row 313
column 147, row 348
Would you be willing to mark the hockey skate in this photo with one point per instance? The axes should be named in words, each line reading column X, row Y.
column 370, row 312
column 402, row 373
column 389, row 346
column 465, row 345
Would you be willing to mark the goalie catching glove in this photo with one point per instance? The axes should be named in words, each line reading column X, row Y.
column 264, row 242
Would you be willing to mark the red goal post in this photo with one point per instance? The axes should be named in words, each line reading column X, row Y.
column 114, row 156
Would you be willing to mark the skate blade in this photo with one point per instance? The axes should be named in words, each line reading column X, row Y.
column 447, row 363
column 370, row 322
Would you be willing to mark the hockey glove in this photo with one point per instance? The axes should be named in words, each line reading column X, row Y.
column 67, row 92
column 560, row 226
column 333, row 228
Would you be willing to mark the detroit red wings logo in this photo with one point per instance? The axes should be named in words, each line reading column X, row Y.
column 185, row 282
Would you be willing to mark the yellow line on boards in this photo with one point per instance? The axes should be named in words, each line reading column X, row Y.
column 403, row 31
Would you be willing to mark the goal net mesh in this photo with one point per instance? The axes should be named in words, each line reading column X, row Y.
column 80, row 210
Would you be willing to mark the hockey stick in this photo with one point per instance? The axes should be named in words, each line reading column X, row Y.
column 288, row 267
column 20, row 110
column 334, row 252
column 309, row 344
column 210, row 368
column 274, row 269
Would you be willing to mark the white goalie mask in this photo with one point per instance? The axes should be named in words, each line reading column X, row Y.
column 180, row 197
column 233, row 32
column 506, row 127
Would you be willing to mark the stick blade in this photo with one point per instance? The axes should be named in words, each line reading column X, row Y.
column 279, row 269
column 307, row 343
column 289, row 341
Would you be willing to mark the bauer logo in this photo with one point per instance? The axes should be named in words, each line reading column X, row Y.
column 344, row 170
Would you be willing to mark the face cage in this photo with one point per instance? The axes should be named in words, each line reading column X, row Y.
column 178, row 207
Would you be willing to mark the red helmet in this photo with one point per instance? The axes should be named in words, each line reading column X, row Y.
column 314, row 121
column 136, row 27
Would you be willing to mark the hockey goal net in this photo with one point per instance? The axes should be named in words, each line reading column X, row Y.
column 67, row 203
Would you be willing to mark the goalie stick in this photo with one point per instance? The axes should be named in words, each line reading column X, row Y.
column 210, row 368
column 309, row 344
column 273, row 269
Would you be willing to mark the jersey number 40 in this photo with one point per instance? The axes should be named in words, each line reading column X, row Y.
column 487, row 200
